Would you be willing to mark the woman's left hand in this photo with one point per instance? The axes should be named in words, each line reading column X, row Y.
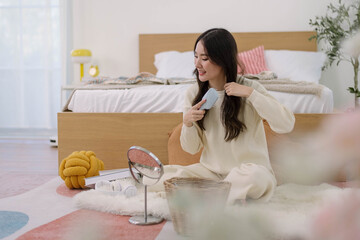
column 238, row 90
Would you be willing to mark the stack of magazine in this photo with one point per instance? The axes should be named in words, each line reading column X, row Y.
column 111, row 175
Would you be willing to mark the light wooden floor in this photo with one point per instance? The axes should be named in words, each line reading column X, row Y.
column 33, row 156
column 26, row 164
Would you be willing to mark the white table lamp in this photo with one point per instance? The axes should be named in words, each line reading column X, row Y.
column 81, row 56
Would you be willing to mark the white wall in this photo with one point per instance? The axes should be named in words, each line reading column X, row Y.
column 110, row 28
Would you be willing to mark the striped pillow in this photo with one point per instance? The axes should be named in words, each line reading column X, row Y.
column 253, row 60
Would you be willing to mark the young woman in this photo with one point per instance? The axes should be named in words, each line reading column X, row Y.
column 231, row 133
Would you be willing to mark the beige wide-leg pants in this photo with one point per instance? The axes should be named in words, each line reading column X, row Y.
column 248, row 181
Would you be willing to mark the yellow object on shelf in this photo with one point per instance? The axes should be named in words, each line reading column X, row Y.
column 81, row 53
column 78, row 166
column 81, row 56
column 94, row 70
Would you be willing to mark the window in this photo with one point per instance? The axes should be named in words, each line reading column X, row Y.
column 30, row 64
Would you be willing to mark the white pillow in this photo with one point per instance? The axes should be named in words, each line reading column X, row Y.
column 295, row 65
column 173, row 64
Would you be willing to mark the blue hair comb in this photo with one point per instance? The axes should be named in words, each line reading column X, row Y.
column 211, row 96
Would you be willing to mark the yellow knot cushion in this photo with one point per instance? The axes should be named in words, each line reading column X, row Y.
column 78, row 166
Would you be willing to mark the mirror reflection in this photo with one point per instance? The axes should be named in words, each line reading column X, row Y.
column 145, row 162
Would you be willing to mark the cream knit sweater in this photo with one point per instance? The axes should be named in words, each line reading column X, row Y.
column 250, row 146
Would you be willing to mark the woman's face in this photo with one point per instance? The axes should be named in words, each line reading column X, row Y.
column 208, row 71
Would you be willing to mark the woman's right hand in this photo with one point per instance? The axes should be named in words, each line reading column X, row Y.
column 194, row 114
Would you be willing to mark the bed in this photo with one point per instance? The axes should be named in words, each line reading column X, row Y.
column 169, row 99
column 110, row 134
column 174, row 68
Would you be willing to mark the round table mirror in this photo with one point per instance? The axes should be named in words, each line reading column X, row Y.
column 147, row 164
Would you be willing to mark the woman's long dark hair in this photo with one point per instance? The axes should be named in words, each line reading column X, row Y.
column 221, row 48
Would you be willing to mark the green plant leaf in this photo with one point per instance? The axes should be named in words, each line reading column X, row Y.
column 340, row 22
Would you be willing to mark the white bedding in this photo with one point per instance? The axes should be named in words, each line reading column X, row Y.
column 169, row 98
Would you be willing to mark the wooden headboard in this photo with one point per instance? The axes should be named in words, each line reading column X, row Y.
column 150, row 44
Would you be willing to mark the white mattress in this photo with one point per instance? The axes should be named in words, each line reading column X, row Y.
column 169, row 98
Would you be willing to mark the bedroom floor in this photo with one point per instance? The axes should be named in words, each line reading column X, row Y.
column 25, row 164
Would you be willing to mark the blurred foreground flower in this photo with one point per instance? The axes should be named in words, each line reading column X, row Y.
column 203, row 216
column 351, row 46
column 339, row 220
column 330, row 154
column 340, row 138
column 322, row 156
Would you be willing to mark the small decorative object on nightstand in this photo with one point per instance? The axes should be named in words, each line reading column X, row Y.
column 94, row 70
column 81, row 56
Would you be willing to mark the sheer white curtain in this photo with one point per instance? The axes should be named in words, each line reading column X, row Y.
column 30, row 63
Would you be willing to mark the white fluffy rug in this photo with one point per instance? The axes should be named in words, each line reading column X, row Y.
column 290, row 211
column 121, row 205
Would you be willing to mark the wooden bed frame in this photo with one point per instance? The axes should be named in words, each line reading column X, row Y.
column 110, row 135
column 150, row 44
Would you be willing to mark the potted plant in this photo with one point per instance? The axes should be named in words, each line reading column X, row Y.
column 338, row 31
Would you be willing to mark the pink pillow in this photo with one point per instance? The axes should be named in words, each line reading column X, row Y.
column 253, row 60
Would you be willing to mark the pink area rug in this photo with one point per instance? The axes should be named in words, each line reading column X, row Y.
column 87, row 224
column 12, row 184
column 48, row 211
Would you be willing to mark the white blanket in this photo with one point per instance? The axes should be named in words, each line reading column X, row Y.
column 169, row 98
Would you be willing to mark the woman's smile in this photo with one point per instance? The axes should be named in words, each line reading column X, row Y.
column 201, row 72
